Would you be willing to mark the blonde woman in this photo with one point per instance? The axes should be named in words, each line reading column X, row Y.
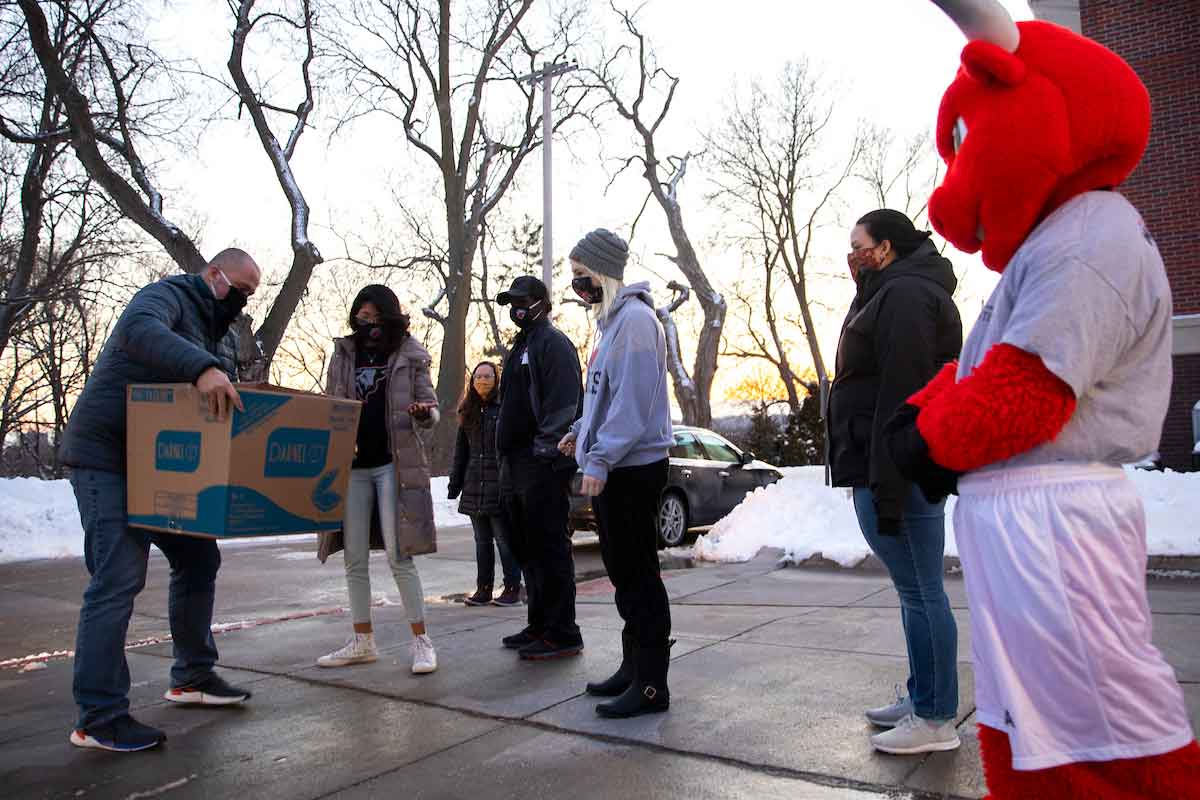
column 622, row 443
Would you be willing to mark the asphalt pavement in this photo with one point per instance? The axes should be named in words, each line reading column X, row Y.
column 772, row 669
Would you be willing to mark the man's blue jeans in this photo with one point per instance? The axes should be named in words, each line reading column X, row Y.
column 914, row 560
column 116, row 556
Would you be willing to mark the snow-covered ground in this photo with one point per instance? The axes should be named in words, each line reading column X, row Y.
column 798, row 515
column 804, row 518
column 38, row 519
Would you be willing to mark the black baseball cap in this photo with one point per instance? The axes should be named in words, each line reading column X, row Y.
column 523, row 286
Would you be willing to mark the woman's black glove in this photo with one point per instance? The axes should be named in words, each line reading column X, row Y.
column 910, row 453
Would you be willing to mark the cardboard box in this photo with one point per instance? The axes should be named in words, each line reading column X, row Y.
column 279, row 467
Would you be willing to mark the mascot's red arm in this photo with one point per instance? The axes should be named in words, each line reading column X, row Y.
column 1009, row 404
column 943, row 380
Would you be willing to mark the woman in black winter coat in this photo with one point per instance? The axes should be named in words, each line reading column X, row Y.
column 476, row 476
column 901, row 329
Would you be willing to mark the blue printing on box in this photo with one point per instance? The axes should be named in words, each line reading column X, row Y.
column 146, row 394
column 296, row 453
column 177, row 451
column 258, row 407
column 236, row 511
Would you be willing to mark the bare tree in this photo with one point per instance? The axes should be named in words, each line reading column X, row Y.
column 105, row 129
column 774, row 175
column 32, row 121
column 64, row 337
column 435, row 74
column 109, row 87
column 772, row 345
column 663, row 175
column 666, row 316
column 899, row 175
column 305, row 255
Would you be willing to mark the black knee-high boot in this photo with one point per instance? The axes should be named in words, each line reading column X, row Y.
column 648, row 694
column 623, row 677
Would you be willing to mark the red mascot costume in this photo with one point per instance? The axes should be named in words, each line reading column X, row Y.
column 1065, row 376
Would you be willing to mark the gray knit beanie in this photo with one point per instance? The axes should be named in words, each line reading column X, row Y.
column 602, row 251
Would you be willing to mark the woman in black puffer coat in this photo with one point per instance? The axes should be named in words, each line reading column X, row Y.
column 476, row 476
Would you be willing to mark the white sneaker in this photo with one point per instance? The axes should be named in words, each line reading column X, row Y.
column 424, row 656
column 359, row 650
column 914, row 735
column 888, row 716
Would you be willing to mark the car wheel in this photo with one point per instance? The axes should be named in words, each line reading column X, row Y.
column 672, row 520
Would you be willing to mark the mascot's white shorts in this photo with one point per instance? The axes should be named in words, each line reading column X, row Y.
column 1054, row 558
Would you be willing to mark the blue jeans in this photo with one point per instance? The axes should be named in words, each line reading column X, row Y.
column 116, row 556
column 914, row 560
column 491, row 528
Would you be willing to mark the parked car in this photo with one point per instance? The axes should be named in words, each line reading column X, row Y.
column 707, row 478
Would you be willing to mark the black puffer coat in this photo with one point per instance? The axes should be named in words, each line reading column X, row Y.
column 167, row 334
column 901, row 329
column 476, row 470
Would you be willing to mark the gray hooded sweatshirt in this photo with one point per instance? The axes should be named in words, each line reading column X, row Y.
column 626, row 418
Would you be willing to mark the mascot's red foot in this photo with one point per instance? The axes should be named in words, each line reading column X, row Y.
column 1170, row 776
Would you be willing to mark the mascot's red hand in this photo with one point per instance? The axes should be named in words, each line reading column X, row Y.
column 945, row 378
column 1009, row 404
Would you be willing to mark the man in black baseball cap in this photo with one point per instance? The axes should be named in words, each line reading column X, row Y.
column 541, row 395
column 523, row 287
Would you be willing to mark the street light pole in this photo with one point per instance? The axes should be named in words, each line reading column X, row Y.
column 546, row 75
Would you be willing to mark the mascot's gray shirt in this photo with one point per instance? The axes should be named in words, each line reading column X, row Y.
column 1088, row 294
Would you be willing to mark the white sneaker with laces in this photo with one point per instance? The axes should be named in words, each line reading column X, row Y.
column 888, row 716
column 359, row 650
column 914, row 735
column 423, row 654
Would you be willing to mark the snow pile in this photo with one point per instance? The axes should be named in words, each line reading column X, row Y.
column 1172, row 501
column 804, row 518
column 445, row 512
column 39, row 519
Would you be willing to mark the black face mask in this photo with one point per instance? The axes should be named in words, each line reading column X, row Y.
column 588, row 292
column 368, row 334
column 524, row 317
column 228, row 307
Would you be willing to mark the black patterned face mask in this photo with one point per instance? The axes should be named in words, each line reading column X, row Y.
column 524, row 317
column 588, row 292
column 368, row 334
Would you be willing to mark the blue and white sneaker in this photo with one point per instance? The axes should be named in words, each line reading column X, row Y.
column 122, row 735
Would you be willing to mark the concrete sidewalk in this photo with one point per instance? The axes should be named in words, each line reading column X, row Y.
column 771, row 672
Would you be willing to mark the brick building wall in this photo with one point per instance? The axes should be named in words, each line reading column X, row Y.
column 1161, row 40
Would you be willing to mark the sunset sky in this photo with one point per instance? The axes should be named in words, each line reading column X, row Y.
column 886, row 61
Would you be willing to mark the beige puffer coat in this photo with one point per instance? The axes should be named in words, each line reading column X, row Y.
column 409, row 382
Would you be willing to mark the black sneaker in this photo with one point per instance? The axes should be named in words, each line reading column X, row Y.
column 122, row 735
column 545, row 650
column 522, row 639
column 511, row 596
column 212, row 691
column 482, row 597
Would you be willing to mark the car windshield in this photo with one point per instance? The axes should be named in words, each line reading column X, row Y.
column 718, row 449
column 686, row 446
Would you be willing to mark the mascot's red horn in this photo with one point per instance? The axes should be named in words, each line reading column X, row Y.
column 1036, row 115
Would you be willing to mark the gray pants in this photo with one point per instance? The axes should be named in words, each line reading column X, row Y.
column 367, row 487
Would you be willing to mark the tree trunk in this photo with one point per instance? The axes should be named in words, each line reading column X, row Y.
column 697, row 409
column 685, row 389
column 452, row 364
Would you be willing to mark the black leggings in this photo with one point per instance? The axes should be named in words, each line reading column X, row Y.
column 627, row 516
